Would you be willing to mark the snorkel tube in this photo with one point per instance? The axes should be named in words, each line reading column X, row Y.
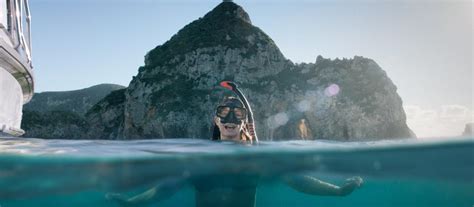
column 250, row 125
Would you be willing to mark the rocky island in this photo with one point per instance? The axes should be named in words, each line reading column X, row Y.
column 175, row 93
column 468, row 130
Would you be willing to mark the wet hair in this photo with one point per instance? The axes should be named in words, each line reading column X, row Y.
column 231, row 100
column 216, row 133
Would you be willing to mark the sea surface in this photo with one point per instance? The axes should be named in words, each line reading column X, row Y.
column 37, row 172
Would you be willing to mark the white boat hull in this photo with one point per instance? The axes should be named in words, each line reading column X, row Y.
column 11, row 104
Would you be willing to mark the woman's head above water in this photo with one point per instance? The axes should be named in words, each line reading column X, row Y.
column 230, row 120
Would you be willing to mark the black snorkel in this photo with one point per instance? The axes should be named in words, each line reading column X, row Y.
column 250, row 125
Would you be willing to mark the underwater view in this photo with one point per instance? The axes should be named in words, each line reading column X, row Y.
column 36, row 172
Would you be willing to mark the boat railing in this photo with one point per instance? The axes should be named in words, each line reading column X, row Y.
column 18, row 15
column 22, row 7
column 15, row 43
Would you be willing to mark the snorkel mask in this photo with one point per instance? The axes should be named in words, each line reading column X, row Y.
column 231, row 111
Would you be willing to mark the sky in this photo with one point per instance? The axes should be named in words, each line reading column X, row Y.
column 425, row 46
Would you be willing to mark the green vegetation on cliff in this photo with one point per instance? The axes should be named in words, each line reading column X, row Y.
column 226, row 25
column 61, row 114
column 78, row 101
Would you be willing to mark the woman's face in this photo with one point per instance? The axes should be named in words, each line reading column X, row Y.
column 230, row 119
column 229, row 131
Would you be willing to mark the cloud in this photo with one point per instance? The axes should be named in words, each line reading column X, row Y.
column 446, row 120
column 416, row 112
column 450, row 112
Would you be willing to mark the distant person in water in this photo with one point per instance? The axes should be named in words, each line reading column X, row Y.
column 238, row 189
column 302, row 130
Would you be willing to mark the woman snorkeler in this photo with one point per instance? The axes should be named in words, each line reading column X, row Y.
column 231, row 123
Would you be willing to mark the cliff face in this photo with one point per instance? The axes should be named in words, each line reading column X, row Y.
column 61, row 114
column 174, row 94
column 107, row 116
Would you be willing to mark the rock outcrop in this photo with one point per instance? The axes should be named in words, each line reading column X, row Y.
column 468, row 130
column 174, row 94
column 107, row 116
column 61, row 114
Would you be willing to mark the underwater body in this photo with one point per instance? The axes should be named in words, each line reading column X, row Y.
column 37, row 172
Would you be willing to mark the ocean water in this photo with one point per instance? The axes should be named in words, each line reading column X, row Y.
column 36, row 172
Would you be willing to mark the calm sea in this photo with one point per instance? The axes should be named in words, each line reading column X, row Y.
column 37, row 172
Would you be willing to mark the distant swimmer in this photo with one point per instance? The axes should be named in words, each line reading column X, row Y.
column 230, row 123
column 302, row 130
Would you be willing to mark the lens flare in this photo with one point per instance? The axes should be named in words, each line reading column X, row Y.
column 303, row 106
column 332, row 90
column 278, row 120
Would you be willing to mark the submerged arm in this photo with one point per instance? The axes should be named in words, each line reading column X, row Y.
column 161, row 192
column 313, row 186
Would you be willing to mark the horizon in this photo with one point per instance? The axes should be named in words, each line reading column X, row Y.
column 414, row 42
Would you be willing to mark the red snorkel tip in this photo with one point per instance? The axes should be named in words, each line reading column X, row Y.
column 226, row 84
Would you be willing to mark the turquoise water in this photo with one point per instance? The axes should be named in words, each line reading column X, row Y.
column 36, row 172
